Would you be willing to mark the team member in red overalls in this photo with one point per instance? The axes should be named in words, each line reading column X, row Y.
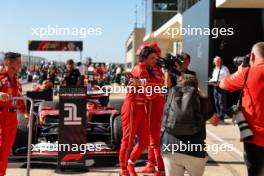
column 156, row 114
column 9, row 86
column 135, row 117
column 100, row 70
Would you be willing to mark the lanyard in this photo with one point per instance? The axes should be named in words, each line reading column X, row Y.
column 218, row 75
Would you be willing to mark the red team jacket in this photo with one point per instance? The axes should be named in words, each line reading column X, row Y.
column 151, row 78
column 252, row 99
column 13, row 90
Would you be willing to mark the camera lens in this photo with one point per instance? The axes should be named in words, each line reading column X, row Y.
column 241, row 60
column 238, row 61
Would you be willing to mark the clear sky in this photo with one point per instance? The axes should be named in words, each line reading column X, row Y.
column 116, row 18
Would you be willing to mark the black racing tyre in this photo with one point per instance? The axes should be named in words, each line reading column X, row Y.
column 117, row 131
column 21, row 141
column 116, row 103
column 51, row 104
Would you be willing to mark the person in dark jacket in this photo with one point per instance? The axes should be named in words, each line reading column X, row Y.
column 186, row 152
column 71, row 76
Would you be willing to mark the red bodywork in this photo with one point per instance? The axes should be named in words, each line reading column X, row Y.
column 94, row 108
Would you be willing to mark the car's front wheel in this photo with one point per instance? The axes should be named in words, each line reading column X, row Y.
column 21, row 141
column 117, row 131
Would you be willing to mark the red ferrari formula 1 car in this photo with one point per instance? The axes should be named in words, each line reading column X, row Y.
column 103, row 125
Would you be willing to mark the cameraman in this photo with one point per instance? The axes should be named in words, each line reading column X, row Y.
column 179, row 69
column 176, row 131
column 252, row 106
column 186, row 59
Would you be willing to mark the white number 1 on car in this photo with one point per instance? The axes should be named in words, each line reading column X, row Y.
column 72, row 119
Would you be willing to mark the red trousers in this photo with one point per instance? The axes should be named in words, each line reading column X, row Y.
column 156, row 114
column 134, row 122
column 8, row 127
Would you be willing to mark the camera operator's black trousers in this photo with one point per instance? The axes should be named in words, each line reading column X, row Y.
column 220, row 102
column 254, row 157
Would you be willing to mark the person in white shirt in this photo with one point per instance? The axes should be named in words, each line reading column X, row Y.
column 219, row 73
column 118, row 70
column 91, row 68
column 118, row 74
column 81, row 68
